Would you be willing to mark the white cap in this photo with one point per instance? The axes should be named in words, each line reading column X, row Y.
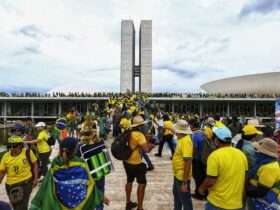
column 40, row 124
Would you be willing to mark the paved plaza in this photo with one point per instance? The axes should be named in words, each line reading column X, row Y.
column 158, row 192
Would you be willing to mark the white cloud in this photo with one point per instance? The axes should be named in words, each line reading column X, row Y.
column 77, row 43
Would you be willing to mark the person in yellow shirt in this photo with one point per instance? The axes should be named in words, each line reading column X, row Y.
column 43, row 147
column 264, row 177
column 134, row 166
column 168, row 133
column 20, row 166
column 182, row 166
column 226, row 172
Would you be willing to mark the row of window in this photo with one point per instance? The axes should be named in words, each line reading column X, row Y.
column 262, row 109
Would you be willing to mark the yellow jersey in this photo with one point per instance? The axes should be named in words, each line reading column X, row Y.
column 137, row 139
column 17, row 167
column 168, row 127
column 42, row 144
column 268, row 175
column 184, row 151
column 229, row 166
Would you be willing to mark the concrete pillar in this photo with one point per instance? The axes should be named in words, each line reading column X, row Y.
column 228, row 110
column 172, row 107
column 255, row 109
column 32, row 110
column 59, row 108
column 200, row 109
column 5, row 113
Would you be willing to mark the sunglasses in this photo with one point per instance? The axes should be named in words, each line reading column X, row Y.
column 15, row 145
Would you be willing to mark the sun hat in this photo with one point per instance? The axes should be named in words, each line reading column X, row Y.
column 15, row 140
column 267, row 146
column 211, row 121
column 182, row 127
column 137, row 121
column 40, row 124
column 255, row 122
column 222, row 133
column 249, row 130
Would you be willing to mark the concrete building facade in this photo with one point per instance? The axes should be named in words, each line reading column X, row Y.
column 145, row 56
column 265, row 83
column 129, row 70
column 127, row 56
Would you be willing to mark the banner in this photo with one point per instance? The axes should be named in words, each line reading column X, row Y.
column 277, row 114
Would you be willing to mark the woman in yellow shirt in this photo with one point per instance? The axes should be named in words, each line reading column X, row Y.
column 43, row 147
column 21, row 169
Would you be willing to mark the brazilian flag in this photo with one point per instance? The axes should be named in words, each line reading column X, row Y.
column 67, row 188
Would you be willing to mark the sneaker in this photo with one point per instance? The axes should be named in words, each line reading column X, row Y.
column 150, row 168
column 130, row 205
column 158, row 155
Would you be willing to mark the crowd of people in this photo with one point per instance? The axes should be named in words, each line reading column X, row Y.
column 232, row 162
column 160, row 94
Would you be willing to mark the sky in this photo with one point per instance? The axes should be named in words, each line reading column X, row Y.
column 70, row 45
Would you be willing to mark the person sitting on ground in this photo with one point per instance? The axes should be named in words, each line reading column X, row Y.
column 21, row 167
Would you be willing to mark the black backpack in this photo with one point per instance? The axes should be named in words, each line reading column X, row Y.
column 120, row 147
column 51, row 140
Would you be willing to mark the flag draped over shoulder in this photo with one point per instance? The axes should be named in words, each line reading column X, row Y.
column 66, row 188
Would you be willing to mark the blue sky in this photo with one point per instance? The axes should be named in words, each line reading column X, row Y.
column 75, row 45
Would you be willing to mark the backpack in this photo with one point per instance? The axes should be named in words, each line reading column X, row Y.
column 98, row 159
column 51, row 140
column 120, row 147
column 31, row 164
column 207, row 148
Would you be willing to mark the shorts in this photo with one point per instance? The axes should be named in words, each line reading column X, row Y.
column 135, row 171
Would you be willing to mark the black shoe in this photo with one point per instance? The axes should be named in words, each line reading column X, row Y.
column 150, row 168
column 158, row 155
column 130, row 205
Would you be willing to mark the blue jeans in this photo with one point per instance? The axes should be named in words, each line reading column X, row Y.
column 100, row 184
column 147, row 159
column 209, row 206
column 182, row 200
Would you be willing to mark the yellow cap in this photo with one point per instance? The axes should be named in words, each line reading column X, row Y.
column 15, row 139
column 249, row 130
column 125, row 123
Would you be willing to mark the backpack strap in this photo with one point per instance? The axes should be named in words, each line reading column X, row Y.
column 27, row 154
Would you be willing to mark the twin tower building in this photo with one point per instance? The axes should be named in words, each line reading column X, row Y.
column 129, row 70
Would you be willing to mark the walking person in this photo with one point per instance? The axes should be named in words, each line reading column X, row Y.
column 168, row 132
column 134, row 167
column 20, row 166
column 182, row 164
column 226, row 173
